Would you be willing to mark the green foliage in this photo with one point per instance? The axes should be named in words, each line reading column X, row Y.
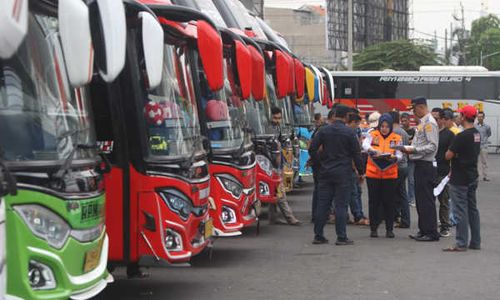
column 402, row 55
column 485, row 40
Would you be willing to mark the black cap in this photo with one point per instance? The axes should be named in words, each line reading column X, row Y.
column 416, row 101
column 446, row 114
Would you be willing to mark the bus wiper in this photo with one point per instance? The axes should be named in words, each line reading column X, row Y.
column 67, row 162
column 10, row 184
column 76, row 146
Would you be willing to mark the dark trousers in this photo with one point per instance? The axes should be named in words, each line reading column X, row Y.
column 425, row 177
column 402, row 201
column 444, row 206
column 315, row 195
column 381, row 202
column 336, row 189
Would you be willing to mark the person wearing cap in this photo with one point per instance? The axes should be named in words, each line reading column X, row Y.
column 373, row 120
column 422, row 152
column 340, row 149
column 463, row 153
column 485, row 131
column 382, row 174
column 443, row 169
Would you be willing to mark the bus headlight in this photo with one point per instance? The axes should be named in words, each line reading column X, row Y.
column 177, row 202
column 230, row 184
column 265, row 164
column 40, row 276
column 45, row 224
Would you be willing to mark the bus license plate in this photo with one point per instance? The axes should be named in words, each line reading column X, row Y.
column 209, row 227
column 92, row 258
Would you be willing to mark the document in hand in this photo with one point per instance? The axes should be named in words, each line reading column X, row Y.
column 439, row 189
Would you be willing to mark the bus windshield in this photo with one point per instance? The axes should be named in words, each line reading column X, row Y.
column 42, row 118
column 173, row 128
column 223, row 114
column 302, row 115
column 283, row 104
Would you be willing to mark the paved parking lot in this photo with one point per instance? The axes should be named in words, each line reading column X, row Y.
column 281, row 263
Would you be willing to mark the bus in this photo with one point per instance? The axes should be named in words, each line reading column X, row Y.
column 388, row 90
column 57, row 246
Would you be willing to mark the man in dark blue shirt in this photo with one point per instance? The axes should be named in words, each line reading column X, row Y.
column 339, row 149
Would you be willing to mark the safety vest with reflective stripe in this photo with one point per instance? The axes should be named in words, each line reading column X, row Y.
column 382, row 168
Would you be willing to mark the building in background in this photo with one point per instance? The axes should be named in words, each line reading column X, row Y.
column 255, row 6
column 374, row 21
column 305, row 31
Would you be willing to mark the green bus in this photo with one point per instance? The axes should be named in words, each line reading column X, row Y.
column 56, row 239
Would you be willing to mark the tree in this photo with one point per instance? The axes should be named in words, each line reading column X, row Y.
column 402, row 55
column 484, row 40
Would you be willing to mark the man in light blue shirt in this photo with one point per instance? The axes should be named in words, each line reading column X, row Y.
column 485, row 131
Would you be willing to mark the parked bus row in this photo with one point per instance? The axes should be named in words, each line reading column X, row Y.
column 135, row 133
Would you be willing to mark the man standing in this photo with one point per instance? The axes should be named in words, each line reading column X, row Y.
column 318, row 123
column 463, row 154
column 340, row 149
column 443, row 169
column 405, row 123
column 423, row 152
column 485, row 131
column 283, row 205
column 402, row 201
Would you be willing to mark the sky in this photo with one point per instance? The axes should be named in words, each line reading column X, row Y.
column 429, row 16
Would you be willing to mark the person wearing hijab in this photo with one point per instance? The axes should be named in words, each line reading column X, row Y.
column 382, row 174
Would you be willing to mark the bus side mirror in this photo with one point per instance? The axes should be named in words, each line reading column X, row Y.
column 291, row 74
column 282, row 74
column 74, row 30
column 14, row 26
column 299, row 78
column 244, row 66
column 310, row 79
column 258, row 74
column 109, row 36
column 210, row 48
column 152, row 43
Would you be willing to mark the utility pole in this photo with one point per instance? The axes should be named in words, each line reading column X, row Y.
column 446, row 54
column 349, row 34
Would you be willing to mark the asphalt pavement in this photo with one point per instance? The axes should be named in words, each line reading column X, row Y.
column 281, row 263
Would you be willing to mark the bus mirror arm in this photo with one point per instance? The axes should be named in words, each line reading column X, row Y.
column 105, row 166
column 10, row 186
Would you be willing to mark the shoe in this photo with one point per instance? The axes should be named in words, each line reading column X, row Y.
column 473, row 247
column 389, row 234
column 278, row 222
column 363, row 222
column 402, row 226
column 413, row 204
column 294, row 222
column 454, row 249
column 426, row 238
column 320, row 240
column 344, row 242
column 486, row 179
column 374, row 234
column 415, row 236
column 444, row 233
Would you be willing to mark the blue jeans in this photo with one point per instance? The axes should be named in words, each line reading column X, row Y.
column 355, row 203
column 467, row 214
column 411, row 181
column 336, row 189
column 403, row 203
